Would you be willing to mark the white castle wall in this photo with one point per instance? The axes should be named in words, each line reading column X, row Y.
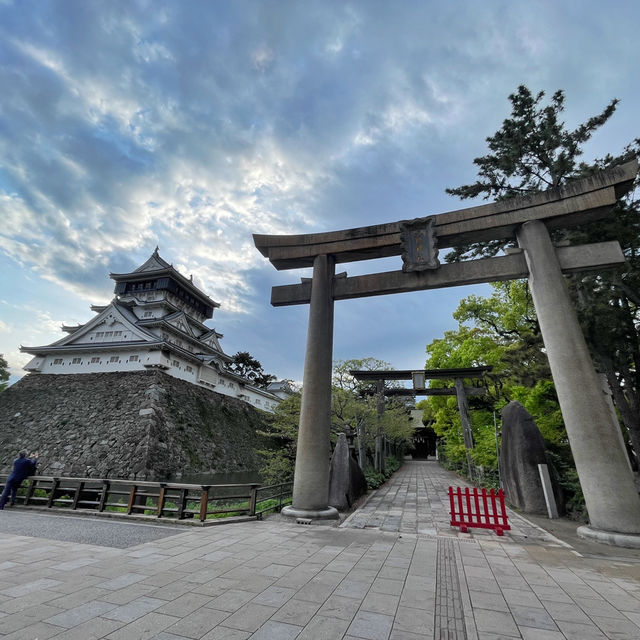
column 175, row 366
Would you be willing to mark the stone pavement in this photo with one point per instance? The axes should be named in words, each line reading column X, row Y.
column 393, row 570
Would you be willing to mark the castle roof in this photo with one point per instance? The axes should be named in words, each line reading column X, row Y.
column 155, row 268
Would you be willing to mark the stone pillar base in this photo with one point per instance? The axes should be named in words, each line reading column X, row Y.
column 330, row 513
column 628, row 540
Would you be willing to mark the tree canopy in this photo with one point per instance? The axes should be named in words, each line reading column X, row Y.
column 533, row 151
column 497, row 331
column 349, row 410
column 246, row 366
column 4, row 373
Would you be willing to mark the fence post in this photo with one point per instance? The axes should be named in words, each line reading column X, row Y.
column 30, row 489
column 182, row 504
column 103, row 495
column 453, row 509
column 253, row 491
column 76, row 497
column 204, row 503
column 132, row 497
column 54, row 485
column 161, row 499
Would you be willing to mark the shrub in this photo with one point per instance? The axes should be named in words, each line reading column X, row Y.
column 376, row 479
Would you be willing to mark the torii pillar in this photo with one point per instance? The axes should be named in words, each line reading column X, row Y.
column 609, row 491
column 311, row 477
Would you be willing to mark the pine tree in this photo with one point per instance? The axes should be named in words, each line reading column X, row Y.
column 534, row 151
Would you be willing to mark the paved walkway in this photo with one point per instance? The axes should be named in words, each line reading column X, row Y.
column 393, row 570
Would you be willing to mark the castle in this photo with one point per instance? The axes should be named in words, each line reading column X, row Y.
column 156, row 321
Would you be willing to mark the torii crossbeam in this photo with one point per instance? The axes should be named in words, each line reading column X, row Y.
column 610, row 494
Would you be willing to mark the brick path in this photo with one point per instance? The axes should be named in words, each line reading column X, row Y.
column 393, row 571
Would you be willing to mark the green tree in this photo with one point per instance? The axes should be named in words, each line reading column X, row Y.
column 4, row 373
column 360, row 403
column 504, row 335
column 535, row 151
column 348, row 410
column 280, row 440
column 342, row 379
column 246, row 366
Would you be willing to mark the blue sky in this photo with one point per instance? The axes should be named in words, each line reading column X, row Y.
column 191, row 125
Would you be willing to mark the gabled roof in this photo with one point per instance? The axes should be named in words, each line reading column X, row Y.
column 154, row 263
column 155, row 266
column 212, row 338
column 120, row 312
column 171, row 327
column 175, row 318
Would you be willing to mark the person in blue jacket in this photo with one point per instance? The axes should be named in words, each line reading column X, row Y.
column 23, row 467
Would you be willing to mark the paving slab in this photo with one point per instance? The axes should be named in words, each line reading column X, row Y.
column 392, row 570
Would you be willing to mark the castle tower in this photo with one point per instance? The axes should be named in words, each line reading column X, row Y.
column 155, row 321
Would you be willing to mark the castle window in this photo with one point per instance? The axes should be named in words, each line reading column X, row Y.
column 95, row 359
column 117, row 333
column 113, row 359
column 189, row 369
column 100, row 334
column 108, row 334
column 175, row 363
column 133, row 358
column 57, row 361
column 76, row 361
column 147, row 314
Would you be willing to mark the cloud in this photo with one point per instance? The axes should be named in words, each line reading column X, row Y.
column 193, row 125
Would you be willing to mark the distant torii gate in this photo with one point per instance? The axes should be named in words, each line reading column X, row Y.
column 610, row 495
column 418, row 378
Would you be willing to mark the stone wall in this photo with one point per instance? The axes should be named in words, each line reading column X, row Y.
column 144, row 425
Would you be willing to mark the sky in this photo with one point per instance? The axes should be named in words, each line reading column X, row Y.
column 126, row 125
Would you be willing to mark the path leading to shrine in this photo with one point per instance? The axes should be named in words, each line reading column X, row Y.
column 394, row 570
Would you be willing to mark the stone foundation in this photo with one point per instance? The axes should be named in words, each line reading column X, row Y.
column 143, row 425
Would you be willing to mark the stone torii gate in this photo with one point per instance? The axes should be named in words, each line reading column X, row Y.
column 610, row 495
column 418, row 378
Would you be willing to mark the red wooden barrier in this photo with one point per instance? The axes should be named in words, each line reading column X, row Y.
column 477, row 508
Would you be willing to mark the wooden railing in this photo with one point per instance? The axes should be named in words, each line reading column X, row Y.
column 267, row 497
column 159, row 499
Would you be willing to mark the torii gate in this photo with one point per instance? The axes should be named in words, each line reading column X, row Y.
column 418, row 378
column 610, row 495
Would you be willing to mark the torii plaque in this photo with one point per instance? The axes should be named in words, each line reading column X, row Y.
column 610, row 494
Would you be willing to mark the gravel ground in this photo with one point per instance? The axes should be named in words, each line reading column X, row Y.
column 83, row 530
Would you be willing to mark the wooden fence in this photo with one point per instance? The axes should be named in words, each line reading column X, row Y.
column 159, row 499
column 477, row 508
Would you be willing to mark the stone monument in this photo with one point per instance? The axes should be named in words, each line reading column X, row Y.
column 522, row 450
column 346, row 479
